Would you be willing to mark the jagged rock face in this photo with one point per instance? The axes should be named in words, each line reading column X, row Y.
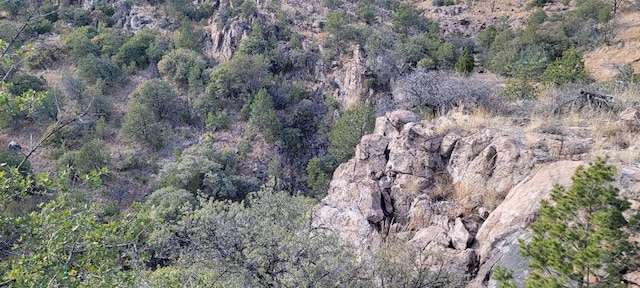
column 352, row 87
column 497, row 238
column 226, row 38
column 355, row 199
column 464, row 198
column 402, row 180
column 486, row 166
column 140, row 17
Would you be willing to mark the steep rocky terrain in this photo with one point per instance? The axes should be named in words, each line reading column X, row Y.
column 464, row 197
column 249, row 101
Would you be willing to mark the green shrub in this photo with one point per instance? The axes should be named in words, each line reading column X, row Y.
column 204, row 11
column 185, row 68
column 92, row 156
column 102, row 15
column 318, row 176
column 157, row 96
column 333, row 4
column 208, row 173
column 486, row 38
column 338, row 25
column 538, row 3
column 439, row 3
column 366, row 11
column 348, row 129
column 134, row 51
column 445, row 56
column 537, row 17
column 79, row 42
column 304, row 116
column 172, row 204
column 39, row 26
column 465, row 62
column 407, row 19
column 10, row 160
column 426, row 63
column 43, row 56
column 594, row 9
column 239, row 78
column 24, row 82
column 566, row 69
column 141, row 125
column 248, row 10
column 263, row 116
column 110, row 40
column 94, row 69
column 217, row 120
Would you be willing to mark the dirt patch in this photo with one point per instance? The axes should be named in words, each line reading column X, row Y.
column 604, row 62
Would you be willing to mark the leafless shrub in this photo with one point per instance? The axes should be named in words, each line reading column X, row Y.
column 440, row 92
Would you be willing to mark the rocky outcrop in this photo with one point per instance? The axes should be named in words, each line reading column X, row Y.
column 465, row 198
column 486, row 166
column 226, row 38
column 405, row 178
column 630, row 119
column 140, row 17
column 351, row 80
column 497, row 238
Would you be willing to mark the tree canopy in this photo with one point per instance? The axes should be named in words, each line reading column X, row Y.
column 579, row 239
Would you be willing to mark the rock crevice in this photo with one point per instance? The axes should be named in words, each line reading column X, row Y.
column 465, row 197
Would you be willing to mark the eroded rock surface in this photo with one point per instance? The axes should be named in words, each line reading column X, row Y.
column 463, row 197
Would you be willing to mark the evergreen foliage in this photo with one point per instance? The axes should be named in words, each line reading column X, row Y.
column 264, row 241
column 136, row 51
column 579, row 235
column 348, row 129
column 566, row 69
column 234, row 82
column 465, row 62
column 263, row 116
column 158, row 96
column 141, row 125
column 185, row 68
column 207, row 173
column 68, row 243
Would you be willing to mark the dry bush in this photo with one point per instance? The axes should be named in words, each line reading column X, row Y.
column 438, row 92
column 443, row 187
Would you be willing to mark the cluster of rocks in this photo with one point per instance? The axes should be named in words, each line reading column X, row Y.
column 466, row 198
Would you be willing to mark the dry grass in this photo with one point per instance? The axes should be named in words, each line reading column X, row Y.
column 443, row 188
column 602, row 63
column 473, row 121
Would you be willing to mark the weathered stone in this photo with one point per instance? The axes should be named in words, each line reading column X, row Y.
column 425, row 212
column 428, row 235
column 499, row 234
column 415, row 151
column 486, row 167
column 441, row 258
column 350, row 79
column 629, row 118
column 448, row 143
column 632, row 278
column 384, row 127
column 460, row 237
column 225, row 39
column 400, row 117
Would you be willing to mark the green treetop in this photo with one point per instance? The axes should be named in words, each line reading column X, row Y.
column 578, row 239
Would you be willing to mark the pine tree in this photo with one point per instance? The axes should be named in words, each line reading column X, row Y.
column 578, row 239
column 263, row 116
column 465, row 62
column 566, row 69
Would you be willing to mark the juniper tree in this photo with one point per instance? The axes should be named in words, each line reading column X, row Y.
column 465, row 62
column 578, row 239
